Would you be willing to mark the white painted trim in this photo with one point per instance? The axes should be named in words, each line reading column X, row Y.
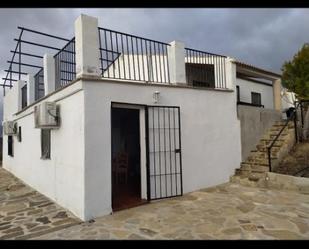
column 143, row 161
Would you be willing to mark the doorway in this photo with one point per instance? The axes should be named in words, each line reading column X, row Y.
column 126, row 160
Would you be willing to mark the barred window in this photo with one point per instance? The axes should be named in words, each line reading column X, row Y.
column 19, row 134
column 45, row 143
column 256, row 98
column 237, row 93
column 10, row 146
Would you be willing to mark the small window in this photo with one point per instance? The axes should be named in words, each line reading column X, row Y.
column 19, row 134
column 237, row 94
column 200, row 75
column 256, row 99
column 24, row 96
column 10, row 146
column 45, row 143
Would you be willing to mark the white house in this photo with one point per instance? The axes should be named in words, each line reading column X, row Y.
column 135, row 120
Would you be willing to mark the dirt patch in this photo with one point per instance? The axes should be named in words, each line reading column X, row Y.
column 296, row 160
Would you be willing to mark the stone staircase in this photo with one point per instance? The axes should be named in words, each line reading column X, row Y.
column 256, row 164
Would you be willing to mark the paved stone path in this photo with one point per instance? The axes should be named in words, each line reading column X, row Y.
column 25, row 213
column 228, row 211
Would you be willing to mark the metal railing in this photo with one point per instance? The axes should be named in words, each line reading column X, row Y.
column 122, row 56
column 19, row 65
column 290, row 118
column 24, row 96
column 129, row 57
column 302, row 104
column 205, row 69
column 301, row 172
column 39, row 90
column 65, row 64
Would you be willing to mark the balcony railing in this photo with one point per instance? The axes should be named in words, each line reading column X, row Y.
column 39, row 85
column 122, row 56
column 129, row 57
column 205, row 69
column 65, row 64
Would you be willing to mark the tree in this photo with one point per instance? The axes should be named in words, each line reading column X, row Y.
column 295, row 73
column 295, row 77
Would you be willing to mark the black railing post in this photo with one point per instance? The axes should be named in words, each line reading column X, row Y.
column 295, row 124
column 301, row 113
column 17, row 71
column 19, row 76
column 269, row 158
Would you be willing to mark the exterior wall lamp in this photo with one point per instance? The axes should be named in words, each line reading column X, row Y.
column 156, row 96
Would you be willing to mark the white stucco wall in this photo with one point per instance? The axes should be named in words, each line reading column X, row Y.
column 78, row 176
column 246, row 87
column 62, row 177
column 211, row 147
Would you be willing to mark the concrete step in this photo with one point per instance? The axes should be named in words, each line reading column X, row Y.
column 275, row 133
column 262, row 164
column 263, row 146
column 282, row 136
column 261, row 161
column 273, row 149
column 258, row 155
column 241, row 172
column 279, row 123
column 245, row 166
column 268, row 140
column 259, row 169
column 275, row 128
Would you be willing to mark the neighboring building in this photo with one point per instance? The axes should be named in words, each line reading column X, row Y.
column 138, row 120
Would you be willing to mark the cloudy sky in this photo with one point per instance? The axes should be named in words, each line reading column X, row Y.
column 262, row 37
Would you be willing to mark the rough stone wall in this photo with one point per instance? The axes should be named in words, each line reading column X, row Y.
column 254, row 122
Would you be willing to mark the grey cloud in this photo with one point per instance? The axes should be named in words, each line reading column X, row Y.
column 262, row 37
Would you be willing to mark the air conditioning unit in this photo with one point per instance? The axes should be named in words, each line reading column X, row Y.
column 9, row 127
column 47, row 116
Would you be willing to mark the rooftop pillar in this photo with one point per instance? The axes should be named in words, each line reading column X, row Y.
column 87, row 46
column 49, row 74
column 230, row 73
column 30, row 89
column 12, row 100
column 277, row 94
column 18, row 86
column 176, row 62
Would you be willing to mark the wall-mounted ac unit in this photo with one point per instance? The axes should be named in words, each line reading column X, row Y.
column 9, row 127
column 47, row 116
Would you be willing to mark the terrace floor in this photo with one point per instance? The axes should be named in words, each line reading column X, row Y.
column 227, row 211
column 25, row 213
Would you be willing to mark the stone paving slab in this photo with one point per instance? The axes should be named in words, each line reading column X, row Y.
column 229, row 211
column 25, row 213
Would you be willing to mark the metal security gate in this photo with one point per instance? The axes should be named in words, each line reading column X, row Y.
column 163, row 151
